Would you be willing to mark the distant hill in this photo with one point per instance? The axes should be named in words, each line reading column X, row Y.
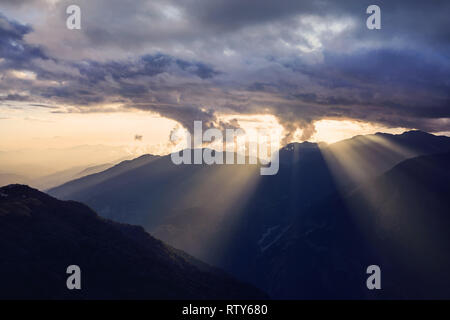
column 57, row 178
column 94, row 169
column 9, row 178
column 40, row 236
column 34, row 162
column 52, row 180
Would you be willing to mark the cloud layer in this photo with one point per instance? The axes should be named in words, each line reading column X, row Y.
column 300, row 61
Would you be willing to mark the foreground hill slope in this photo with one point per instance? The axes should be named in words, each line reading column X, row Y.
column 41, row 236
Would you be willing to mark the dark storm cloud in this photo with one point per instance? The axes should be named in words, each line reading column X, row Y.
column 301, row 61
column 19, row 2
column 221, row 22
column 134, row 81
column 148, row 65
column 400, row 17
column 16, row 52
column 43, row 106
column 380, row 85
column 14, row 97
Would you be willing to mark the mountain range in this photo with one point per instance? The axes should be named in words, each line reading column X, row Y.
column 308, row 232
column 176, row 203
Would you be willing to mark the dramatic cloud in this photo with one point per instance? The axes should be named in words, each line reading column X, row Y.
column 14, row 51
column 301, row 61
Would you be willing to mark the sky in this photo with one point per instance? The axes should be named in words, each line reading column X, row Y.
column 137, row 70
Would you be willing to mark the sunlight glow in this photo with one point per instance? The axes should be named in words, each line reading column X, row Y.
column 331, row 130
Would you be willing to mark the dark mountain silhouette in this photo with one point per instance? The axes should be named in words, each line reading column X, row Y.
column 94, row 169
column 230, row 215
column 308, row 174
column 41, row 236
column 399, row 221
